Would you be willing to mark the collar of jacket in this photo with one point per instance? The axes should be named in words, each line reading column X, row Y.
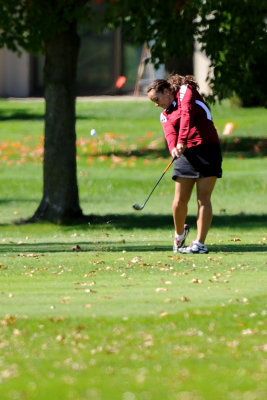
column 172, row 107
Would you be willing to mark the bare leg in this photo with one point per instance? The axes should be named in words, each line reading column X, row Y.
column 205, row 187
column 183, row 190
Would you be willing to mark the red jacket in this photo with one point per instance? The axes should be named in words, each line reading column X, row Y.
column 188, row 120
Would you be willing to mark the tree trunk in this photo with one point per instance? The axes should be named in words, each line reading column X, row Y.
column 60, row 200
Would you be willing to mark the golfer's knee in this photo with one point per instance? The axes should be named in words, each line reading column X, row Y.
column 179, row 203
column 204, row 202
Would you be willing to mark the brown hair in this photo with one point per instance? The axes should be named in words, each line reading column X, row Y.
column 173, row 83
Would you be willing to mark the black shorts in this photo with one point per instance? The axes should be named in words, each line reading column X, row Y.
column 199, row 162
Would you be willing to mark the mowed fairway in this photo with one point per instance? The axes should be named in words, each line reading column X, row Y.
column 104, row 310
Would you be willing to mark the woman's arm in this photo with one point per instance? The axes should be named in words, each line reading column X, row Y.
column 187, row 105
column 171, row 135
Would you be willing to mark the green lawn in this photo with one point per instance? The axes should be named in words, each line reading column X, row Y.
column 105, row 310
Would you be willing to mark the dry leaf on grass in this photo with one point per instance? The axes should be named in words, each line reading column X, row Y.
column 160, row 289
column 164, row 314
column 184, row 298
column 196, row 280
column 76, row 248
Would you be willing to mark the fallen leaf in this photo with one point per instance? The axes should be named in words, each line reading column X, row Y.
column 249, row 331
column 76, row 248
column 11, row 372
column 261, row 348
column 196, row 280
column 60, row 338
column 163, row 314
column 184, row 298
column 28, row 255
column 168, row 300
column 234, row 344
column 64, row 299
column 90, row 291
column 135, row 260
column 8, row 320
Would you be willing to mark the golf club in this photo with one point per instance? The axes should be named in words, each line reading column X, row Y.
column 136, row 206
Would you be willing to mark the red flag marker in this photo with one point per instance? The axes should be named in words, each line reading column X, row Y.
column 228, row 129
column 120, row 81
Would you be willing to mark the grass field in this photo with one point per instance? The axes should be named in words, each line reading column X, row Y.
column 106, row 311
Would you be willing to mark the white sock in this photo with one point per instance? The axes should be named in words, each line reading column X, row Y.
column 200, row 244
column 179, row 236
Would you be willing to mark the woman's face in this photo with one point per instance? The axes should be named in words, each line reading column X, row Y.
column 161, row 99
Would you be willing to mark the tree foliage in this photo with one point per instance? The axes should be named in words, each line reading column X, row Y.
column 231, row 32
column 30, row 23
column 167, row 26
column 233, row 35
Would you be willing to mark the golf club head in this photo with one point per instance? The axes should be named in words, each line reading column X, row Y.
column 137, row 207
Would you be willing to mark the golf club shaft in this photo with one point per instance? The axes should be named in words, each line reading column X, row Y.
column 164, row 172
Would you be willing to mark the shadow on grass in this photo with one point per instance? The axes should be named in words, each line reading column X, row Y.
column 25, row 115
column 20, row 115
column 148, row 221
column 100, row 246
column 244, row 146
column 15, row 200
column 139, row 220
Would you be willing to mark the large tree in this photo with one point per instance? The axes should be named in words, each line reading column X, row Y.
column 50, row 26
column 233, row 33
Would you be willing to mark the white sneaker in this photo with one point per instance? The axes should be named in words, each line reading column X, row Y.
column 178, row 243
column 194, row 248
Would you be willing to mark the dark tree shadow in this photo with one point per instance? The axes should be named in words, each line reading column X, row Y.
column 139, row 220
column 20, row 115
column 25, row 115
column 244, row 146
column 114, row 247
column 132, row 221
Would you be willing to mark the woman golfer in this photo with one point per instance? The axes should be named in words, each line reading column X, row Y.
column 193, row 139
